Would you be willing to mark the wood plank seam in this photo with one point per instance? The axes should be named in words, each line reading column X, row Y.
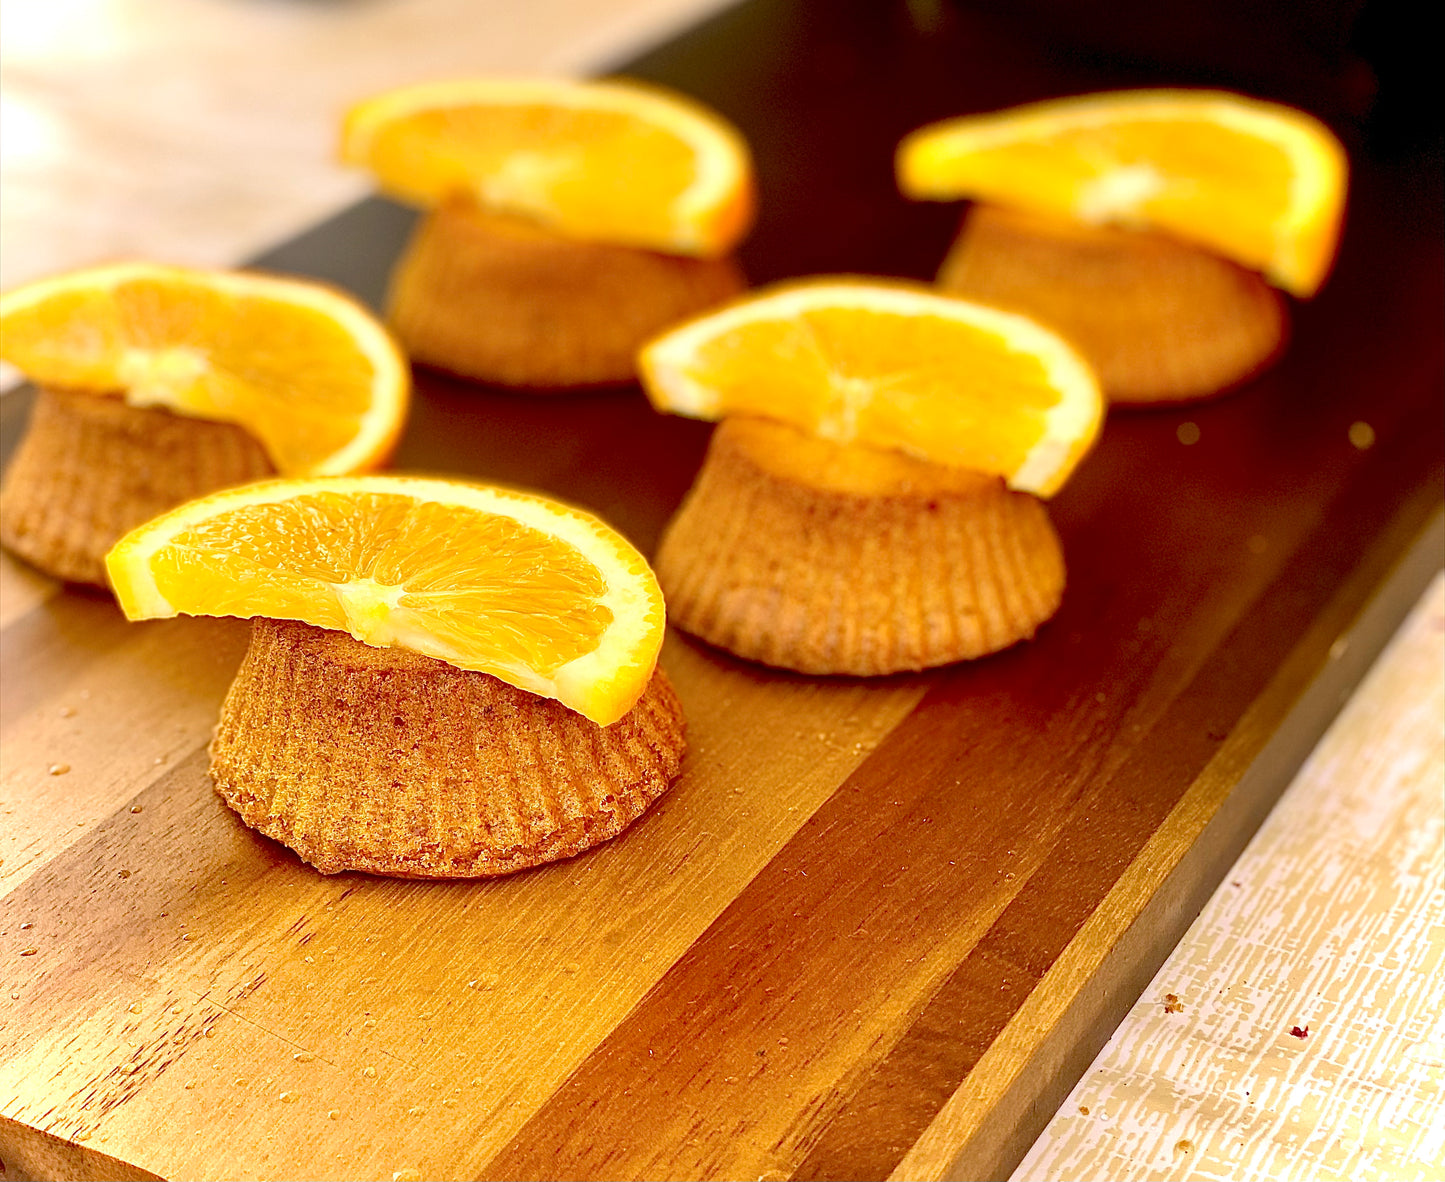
column 935, row 1154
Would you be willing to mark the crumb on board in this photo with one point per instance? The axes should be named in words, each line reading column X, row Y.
column 1172, row 1004
column 1300, row 1033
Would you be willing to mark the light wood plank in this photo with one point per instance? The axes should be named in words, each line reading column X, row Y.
column 22, row 588
column 78, row 749
column 369, row 973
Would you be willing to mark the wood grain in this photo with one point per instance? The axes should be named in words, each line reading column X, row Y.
column 1337, row 902
column 874, row 922
column 379, row 964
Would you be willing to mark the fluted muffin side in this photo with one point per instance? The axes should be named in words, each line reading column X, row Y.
column 500, row 300
column 1159, row 320
column 393, row 763
column 90, row 468
column 827, row 559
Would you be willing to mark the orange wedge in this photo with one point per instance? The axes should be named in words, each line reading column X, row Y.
column 305, row 369
column 536, row 593
column 1257, row 182
column 889, row 365
column 604, row 161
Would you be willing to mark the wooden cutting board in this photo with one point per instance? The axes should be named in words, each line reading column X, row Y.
column 877, row 928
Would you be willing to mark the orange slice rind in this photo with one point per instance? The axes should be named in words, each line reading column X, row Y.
column 1260, row 183
column 307, row 370
column 539, row 594
column 890, row 365
column 613, row 161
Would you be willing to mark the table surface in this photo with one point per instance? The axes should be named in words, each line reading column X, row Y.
column 142, row 128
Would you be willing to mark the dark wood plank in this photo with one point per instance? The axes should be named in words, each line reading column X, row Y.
column 1011, row 772
column 1274, row 486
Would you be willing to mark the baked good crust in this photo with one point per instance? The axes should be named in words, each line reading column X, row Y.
column 91, row 467
column 501, row 300
column 831, row 559
column 389, row 762
column 1159, row 320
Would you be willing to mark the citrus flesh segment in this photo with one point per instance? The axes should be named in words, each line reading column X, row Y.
column 539, row 594
column 305, row 369
column 889, row 365
column 604, row 161
column 1260, row 183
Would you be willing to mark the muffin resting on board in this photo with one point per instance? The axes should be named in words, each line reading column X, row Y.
column 825, row 558
column 161, row 384
column 1149, row 227
column 565, row 222
column 871, row 500
column 500, row 299
column 444, row 679
column 383, row 760
column 90, row 468
column 1160, row 320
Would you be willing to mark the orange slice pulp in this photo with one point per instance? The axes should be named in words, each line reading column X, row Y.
column 610, row 161
column 1260, row 183
column 307, row 370
column 544, row 596
column 889, row 365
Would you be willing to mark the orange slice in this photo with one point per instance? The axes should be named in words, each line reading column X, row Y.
column 890, row 365
column 605, row 161
column 539, row 594
column 1257, row 182
column 307, row 370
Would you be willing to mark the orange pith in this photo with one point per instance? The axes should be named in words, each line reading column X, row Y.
column 889, row 365
column 1260, row 183
column 538, row 594
column 608, row 161
column 305, row 369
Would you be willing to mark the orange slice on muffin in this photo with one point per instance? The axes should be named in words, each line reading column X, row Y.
column 539, row 594
column 1260, row 183
column 889, row 365
column 308, row 371
column 609, row 161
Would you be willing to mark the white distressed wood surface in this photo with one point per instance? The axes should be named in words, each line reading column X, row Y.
column 1333, row 919
column 203, row 131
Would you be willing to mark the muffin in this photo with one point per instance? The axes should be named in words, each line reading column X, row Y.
column 91, row 467
column 565, row 223
column 827, row 558
column 390, row 762
column 444, row 680
column 1160, row 320
column 500, row 299
column 157, row 385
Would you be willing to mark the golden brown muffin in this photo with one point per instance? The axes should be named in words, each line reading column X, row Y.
column 1159, row 320
column 382, row 760
column 824, row 558
column 502, row 300
column 90, row 468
